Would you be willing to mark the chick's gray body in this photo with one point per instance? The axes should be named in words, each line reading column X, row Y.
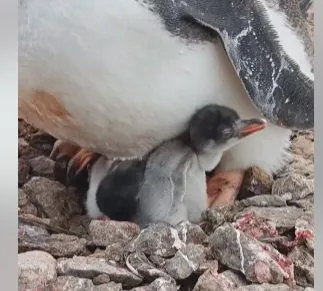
column 174, row 186
column 169, row 184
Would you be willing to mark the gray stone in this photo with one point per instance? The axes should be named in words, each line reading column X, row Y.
column 212, row 281
column 68, row 283
column 111, row 286
column 260, row 263
column 52, row 198
column 303, row 266
column 297, row 185
column 190, row 233
column 142, row 267
column 79, row 224
column 283, row 217
column 90, row 267
column 25, row 206
column 58, row 245
column 164, row 284
column 158, row 261
column 42, row 166
column 302, row 156
column 98, row 253
column 301, row 166
column 105, row 233
column 304, row 229
column 303, row 145
column 160, row 284
column 256, row 182
column 214, row 216
column 63, row 245
column 116, row 251
column 186, row 261
column 23, row 172
column 236, row 278
column 158, row 239
column 206, row 265
column 306, row 203
column 29, row 208
column 265, row 201
column 101, row 279
column 25, row 150
column 265, row 287
column 36, row 269
column 27, row 231
column 22, row 198
column 255, row 226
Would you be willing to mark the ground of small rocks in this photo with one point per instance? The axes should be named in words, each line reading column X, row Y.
column 265, row 241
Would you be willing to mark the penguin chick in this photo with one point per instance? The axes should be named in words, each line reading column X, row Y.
column 169, row 184
column 113, row 188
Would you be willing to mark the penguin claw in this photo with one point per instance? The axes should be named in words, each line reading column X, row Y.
column 63, row 149
column 78, row 158
column 80, row 161
column 223, row 187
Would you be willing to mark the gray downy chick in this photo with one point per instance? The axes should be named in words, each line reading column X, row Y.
column 169, row 184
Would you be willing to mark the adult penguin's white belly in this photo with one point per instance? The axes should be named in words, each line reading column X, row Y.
column 106, row 75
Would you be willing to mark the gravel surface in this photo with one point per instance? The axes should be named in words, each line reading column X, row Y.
column 264, row 241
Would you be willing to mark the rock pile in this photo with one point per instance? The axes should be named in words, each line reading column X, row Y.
column 264, row 241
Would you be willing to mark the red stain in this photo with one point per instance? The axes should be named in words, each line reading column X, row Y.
column 255, row 226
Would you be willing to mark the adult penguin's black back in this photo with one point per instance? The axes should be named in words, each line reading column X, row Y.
column 268, row 43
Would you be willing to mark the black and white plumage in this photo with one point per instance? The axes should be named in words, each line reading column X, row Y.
column 129, row 73
column 169, row 184
column 275, row 76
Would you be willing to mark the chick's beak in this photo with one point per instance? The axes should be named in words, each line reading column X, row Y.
column 250, row 126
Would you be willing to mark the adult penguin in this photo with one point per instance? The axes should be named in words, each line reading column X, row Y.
column 119, row 77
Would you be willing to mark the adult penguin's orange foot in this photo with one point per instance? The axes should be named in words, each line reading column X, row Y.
column 79, row 158
column 223, row 187
column 63, row 149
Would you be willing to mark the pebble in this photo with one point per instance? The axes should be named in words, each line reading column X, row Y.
column 118, row 256
column 296, row 185
column 23, row 172
column 139, row 264
column 42, row 166
column 36, row 269
column 190, row 233
column 255, row 182
column 283, row 217
column 111, row 286
column 303, row 265
column 212, row 281
column 265, row 287
column 266, row 201
column 105, row 233
column 158, row 239
column 58, row 245
column 90, row 267
column 186, row 261
column 101, row 279
column 52, row 198
column 304, row 229
column 68, row 283
column 260, row 263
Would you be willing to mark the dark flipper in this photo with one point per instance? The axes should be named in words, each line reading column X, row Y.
column 117, row 195
column 274, row 82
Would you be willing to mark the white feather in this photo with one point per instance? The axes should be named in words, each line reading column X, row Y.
column 127, row 83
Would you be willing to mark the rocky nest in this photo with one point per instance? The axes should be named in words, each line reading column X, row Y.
column 265, row 241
